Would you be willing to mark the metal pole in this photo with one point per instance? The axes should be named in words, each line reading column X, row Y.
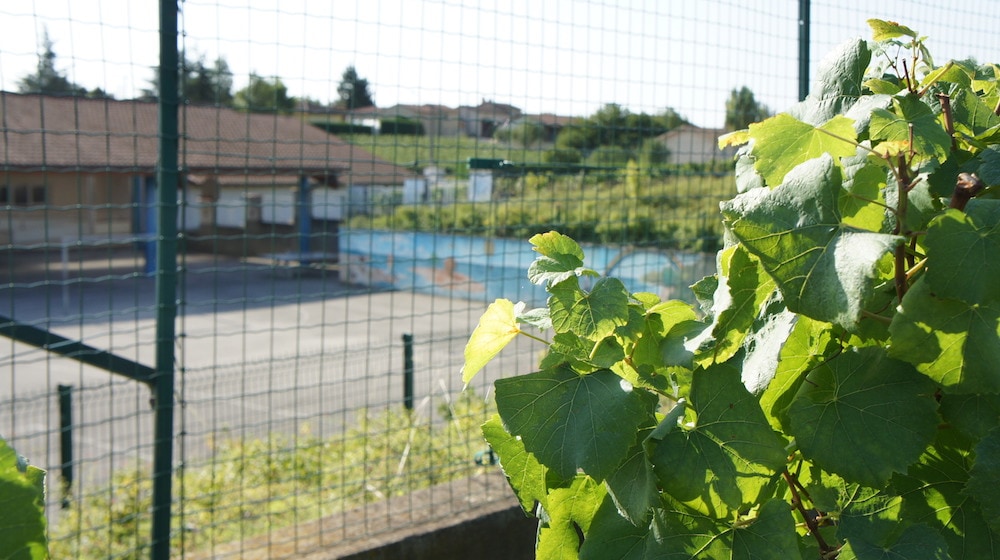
column 408, row 371
column 803, row 49
column 66, row 440
column 166, row 283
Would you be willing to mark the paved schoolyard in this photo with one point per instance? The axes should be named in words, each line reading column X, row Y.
column 260, row 349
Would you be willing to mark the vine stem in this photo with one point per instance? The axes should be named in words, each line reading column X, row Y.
column 899, row 254
column 533, row 337
column 809, row 519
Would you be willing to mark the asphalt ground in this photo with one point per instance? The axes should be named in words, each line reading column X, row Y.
column 259, row 350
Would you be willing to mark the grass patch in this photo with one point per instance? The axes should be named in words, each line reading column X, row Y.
column 451, row 152
column 253, row 486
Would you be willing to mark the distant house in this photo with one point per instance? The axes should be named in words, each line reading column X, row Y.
column 76, row 168
column 483, row 120
column 691, row 144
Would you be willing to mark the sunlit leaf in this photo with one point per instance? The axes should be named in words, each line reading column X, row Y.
column 22, row 508
column 559, row 258
column 839, row 83
column 566, row 509
column 783, row 142
column 590, row 421
column 593, row 315
column 911, row 118
column 884, row 30
column 881, row 409
column 524, row 473
column 496, row 328
column 824, row 268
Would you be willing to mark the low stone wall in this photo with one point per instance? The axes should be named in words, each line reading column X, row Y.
column 476, row 517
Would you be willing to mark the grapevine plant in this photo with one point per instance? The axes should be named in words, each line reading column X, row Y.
column 835, row 391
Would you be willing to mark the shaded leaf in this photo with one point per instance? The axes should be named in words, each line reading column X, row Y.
column 803, row 349
column 963, row 253
column 590, row 421
column 496, row 328
column 983, row 478
column 727, row 458
column 948, row 340
column 824, row 268
column 933, row 493
column 839, row 83
column 972, row 415
column 633, row 485
column 879, row 408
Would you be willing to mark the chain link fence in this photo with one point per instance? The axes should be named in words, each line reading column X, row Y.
column 263, row 361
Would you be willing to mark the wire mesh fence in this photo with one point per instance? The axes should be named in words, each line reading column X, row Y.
column 356, row 183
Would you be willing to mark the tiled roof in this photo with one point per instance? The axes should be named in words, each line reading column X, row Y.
column 66, row 134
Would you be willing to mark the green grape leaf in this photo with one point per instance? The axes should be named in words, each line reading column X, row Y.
column 725, row 461
column 782, row 142
column 805, row 346
column 989, row 169
column 559, row 258
column 594, row 315
column 884, row 30
column 633, row 485
column 972, row 415
column 524, row 473
column 963, row 253
column 22, row 508
column 933, row 492
column 948, row 340
column 566, row 509
column 743, row 288
column 590, row 421
column 983, row 478
column 839, row 84
column 678, row 533
column 971, row 116
column 862, row 198
column 910, row 112
column 762, row 347
column 880, row 409
column 824, row 268
column 917, row 542
column 496, row 328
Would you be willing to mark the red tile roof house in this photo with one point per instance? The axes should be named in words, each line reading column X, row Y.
column 79, row 171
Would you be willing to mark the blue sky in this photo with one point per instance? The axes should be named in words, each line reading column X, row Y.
column 561, row 56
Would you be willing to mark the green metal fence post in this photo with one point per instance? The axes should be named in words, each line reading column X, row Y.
column 408, row 371
column 803, row 49
column 66, row 440
column 166, row 282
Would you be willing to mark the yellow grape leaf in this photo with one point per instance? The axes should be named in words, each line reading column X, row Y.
column 734, row 138
column 496, row 328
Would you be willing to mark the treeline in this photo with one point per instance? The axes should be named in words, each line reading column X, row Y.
column 201, row 82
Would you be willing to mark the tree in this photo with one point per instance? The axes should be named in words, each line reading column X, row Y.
column 524, row 133
column 354, row 91
column 199, row 82
column 47, row 79
column 264, row 95
column 742, row 109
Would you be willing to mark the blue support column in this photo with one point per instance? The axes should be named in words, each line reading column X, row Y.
column 149, row 224
column 305, row 217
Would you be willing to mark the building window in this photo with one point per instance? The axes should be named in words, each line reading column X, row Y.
column 22, row 195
